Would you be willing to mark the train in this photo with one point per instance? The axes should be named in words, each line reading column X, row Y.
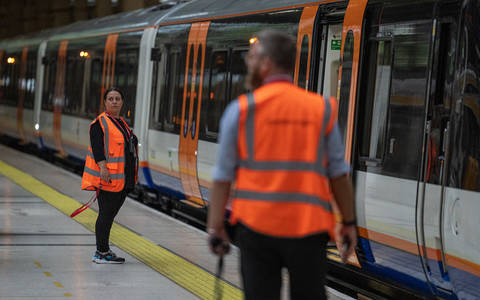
column 406, row 75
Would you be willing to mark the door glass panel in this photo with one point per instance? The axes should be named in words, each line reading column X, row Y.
column 197, row 95
column 391, row 108
column 375, row 107
column 380, row 100
column 189, row 91
column 303, row 67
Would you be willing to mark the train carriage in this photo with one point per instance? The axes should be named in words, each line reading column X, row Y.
column 184, row 117
column 406, row 75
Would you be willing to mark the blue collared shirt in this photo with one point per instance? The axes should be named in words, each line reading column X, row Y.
column 227, row 160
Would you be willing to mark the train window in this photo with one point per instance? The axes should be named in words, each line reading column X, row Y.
column 11, row 79
column 29, row 84
column 69, row 99
column 176, row 80
column 375, row 106
column 94, row 96
column 126, row 73
column 302, row 69
column 346, row 80
column 50, row 76
column 73, row 83
column 167, row 91
column 217, row 91
column 83, row 78
column 406, row 113
column 238, row 72
column 391, row 105
column 158, row 90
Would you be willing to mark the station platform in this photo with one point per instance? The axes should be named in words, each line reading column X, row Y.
column 45, row 254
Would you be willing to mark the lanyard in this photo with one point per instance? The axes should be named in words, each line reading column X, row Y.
column 120, row 126
column 87, row 205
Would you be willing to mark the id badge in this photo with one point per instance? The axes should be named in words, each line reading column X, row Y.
column 131, row 145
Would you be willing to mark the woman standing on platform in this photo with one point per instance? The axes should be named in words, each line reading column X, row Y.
column 111, row 169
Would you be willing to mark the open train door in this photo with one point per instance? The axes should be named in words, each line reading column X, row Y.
column 431, row 193
column 192, row 100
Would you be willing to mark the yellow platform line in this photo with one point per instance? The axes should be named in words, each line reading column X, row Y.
column 196, row 280
column 48, row 274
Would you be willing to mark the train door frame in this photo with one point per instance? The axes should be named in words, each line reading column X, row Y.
column 351, row 41
column 353, row 30
column 143, row 96
column 325, row 34
column 192, row 97
column 305, row 33
column 432, row 184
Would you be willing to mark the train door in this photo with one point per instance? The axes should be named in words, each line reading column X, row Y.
column 388, row 135
column 430, row 212
column 192, row 98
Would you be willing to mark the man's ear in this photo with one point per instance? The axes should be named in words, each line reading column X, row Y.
column 266, row 66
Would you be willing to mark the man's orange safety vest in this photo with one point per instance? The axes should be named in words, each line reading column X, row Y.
column 114, row 143
column 281, row 186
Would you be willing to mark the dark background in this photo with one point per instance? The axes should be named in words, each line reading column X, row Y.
column 24, row 16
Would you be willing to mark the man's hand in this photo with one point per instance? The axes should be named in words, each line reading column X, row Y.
column 348, row 236
column 218, row 241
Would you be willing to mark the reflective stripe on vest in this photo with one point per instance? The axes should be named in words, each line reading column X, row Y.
column 109, row 159
column 113, row 143
column 97, row 173
column 284, row 197
column 288, row 197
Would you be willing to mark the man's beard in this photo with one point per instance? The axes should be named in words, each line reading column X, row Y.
column 253, row 80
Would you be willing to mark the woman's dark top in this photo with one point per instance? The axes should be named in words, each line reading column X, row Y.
column 97, row 143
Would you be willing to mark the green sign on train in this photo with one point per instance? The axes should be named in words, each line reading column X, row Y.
column 336, row 44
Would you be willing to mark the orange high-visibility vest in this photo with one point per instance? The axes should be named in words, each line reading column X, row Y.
column 114, row 143
column 281, row 186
